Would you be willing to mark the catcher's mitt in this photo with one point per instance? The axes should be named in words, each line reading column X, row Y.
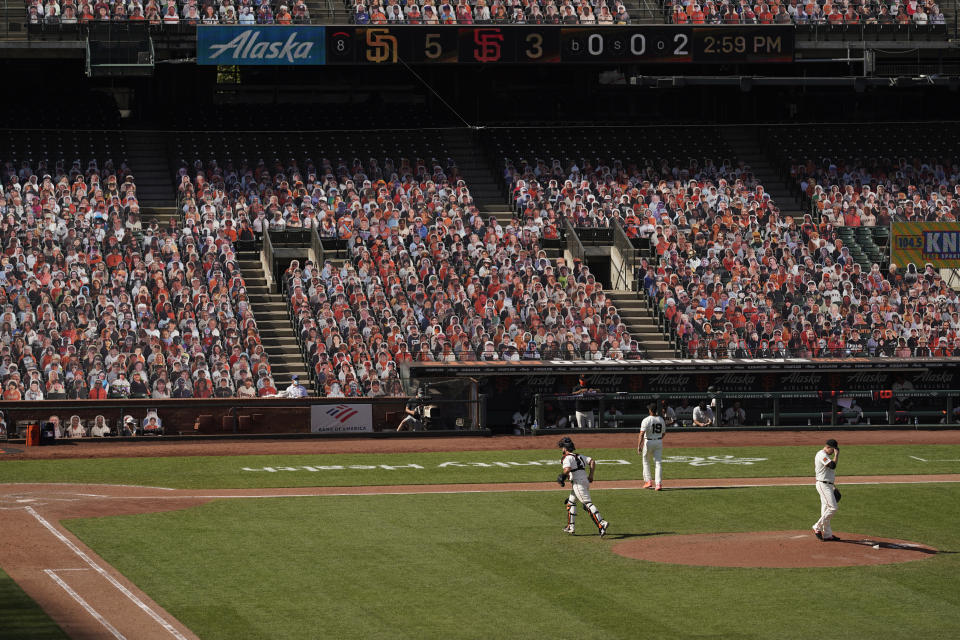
column 837, row 494
column 561, row 480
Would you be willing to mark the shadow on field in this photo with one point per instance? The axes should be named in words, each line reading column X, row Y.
column 893, row 545
column 624, row 536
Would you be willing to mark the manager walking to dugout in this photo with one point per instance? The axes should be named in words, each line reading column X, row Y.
column 575, row 469
column 825, row 466
column 650, row 444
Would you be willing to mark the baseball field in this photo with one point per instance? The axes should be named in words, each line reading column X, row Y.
column 461, row 538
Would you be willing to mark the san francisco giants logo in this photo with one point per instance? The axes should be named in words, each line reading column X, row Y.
column 489, row 45
column 381, row 46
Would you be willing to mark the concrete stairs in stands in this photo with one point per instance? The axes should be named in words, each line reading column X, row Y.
column 11, row 23
column 748, row 147
column 644, row 11
column 480, row 176
column 341, row 14
column 636, row 315
column 274, row 324
column 151, row 171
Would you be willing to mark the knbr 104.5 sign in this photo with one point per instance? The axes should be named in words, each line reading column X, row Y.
column 937, row 243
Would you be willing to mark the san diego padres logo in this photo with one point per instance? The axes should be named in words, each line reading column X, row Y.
column 382, row 46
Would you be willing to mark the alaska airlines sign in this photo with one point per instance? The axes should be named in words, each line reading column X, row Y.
column 261, row 45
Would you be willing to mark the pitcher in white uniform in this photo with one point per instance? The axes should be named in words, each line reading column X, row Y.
column 825, row 466
column 578, row 469
column 650, row 445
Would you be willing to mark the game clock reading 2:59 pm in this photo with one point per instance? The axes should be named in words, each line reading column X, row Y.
column 541, row 44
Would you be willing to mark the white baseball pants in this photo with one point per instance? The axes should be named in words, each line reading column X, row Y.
column 652, row 449
column 581, row 491
column 585, row 419
column 828, row 507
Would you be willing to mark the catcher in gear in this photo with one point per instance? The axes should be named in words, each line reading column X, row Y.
column 578, row 469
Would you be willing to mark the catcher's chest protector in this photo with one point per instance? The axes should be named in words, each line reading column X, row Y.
column 578, row 459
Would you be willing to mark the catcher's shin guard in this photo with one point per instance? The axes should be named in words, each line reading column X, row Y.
column 571, row 505
column 594, row 514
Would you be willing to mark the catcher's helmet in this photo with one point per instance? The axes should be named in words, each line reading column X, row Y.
column 566, row 443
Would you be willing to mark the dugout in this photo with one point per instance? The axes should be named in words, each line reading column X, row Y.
column 772, row 392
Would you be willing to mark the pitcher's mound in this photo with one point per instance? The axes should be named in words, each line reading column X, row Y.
column 777, row 549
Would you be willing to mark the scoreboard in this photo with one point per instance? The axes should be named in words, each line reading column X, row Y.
column 493, row 44
column 541, row 44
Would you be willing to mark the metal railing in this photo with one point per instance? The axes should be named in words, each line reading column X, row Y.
column 574, row 246
column 628, row 258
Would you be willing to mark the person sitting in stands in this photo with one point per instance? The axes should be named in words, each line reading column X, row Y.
column 247, row 390
column 268, row 389
column 152, row 424
column 223, row 389
column 99, row 428
column 296, row 390
column 138, row 389
column 120, row 387
column 76, row 430
column 130, row 426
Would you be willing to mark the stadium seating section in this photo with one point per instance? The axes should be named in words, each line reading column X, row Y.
column 732, row 275
column 496, row 11
column 425, row 276
column 97, row 302
column 878, row 15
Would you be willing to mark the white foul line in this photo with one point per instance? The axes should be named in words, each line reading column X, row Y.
column 93, row 565
column 83, row 603
column 916, row 458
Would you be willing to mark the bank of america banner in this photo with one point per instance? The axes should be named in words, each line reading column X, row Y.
column 260, row 45
column 341, row 418
column 937, row 243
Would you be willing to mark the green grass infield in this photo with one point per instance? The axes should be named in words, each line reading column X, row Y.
column 21, row 617
column 470, row 466
column 498, row 566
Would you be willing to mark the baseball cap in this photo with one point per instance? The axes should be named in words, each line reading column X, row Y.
column 832, row 443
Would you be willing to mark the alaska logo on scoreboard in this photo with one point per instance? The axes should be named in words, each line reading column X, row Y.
column 936, row 243
column 261, row 45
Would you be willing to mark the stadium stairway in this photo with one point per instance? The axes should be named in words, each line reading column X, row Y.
column 636, row 314
column 150, row 169
column 273, row 323
column 479, row 174
column 746, row 144
column 12, row 27
column 328, row 12
column 645, row 11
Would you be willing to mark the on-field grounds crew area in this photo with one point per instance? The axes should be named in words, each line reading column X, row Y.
column 692, row 522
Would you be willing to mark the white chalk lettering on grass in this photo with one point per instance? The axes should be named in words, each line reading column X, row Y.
column 694, row 461
column 335, row 467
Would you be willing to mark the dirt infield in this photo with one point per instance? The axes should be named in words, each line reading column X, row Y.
column 310, row 446
column 773, row 549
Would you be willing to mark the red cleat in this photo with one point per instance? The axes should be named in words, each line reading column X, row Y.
column 647, row 485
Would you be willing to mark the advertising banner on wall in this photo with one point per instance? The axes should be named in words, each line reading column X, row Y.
column 341, row 418
column 937, row 243
column 260, row 45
